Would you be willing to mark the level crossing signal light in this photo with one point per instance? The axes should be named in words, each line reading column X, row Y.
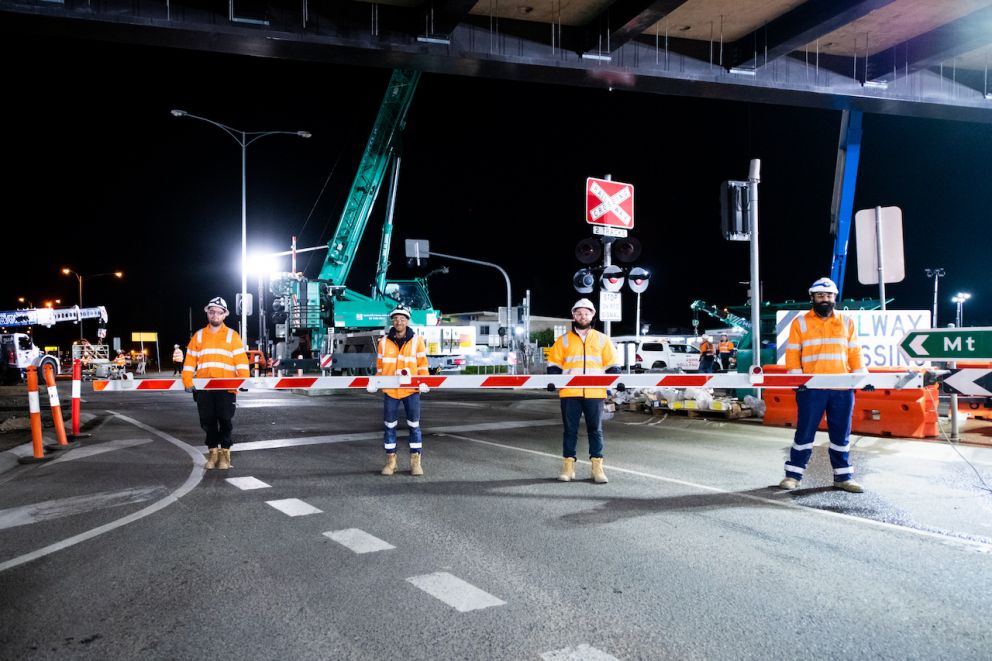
column 583, row 281
column 612, row 279
column 627, row 249
column 637, row 279
column 588, row 251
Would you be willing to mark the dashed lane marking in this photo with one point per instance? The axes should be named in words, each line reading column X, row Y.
column 366, row 436
column 455, row 592
column 293, row 507
column 56, row 509
column 245, row 483
column 358, row 541
column 581, row 652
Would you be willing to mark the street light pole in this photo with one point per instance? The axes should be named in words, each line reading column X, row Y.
column 936, row 274
column 244, row 139
column 960, row 298
column 79, row 278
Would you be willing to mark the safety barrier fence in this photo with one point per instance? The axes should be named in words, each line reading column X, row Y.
column 900, row 380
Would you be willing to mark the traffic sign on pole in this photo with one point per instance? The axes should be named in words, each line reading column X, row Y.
column 609, row 203
column 948, row 344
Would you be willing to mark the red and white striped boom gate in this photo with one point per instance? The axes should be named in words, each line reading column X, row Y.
column 531, row 382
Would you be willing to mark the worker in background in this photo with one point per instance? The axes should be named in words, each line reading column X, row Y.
column 215, row 351
column 582, row 350
column 177, row 360
column 707, row 354
column 823, row 341
column 402, row 349
column 725, row 350
column 121, row 360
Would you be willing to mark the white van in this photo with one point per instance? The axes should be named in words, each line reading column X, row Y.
column 656, row 353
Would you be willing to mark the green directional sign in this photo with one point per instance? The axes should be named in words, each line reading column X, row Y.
column 949, row 344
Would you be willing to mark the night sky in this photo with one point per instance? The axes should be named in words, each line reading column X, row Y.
column 98, row 176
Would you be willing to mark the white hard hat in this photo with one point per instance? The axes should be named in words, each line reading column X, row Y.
column 823, row 285
column 584, row 303
column 175, row 346
column 216, row 302
column 400, row 310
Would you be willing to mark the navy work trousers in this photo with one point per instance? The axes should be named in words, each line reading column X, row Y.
column 573, row 408
column 838, row 405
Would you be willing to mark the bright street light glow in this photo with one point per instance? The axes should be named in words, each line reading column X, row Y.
column 262, row 264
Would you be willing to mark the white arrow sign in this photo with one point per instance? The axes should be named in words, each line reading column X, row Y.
column 917, row 345
column 966, row 382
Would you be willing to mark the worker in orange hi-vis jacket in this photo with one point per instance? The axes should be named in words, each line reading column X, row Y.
column 823, row 341
column 215, row 351
column 725, row 350
column 401, row 349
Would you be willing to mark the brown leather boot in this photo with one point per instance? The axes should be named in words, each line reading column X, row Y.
column 390, row 466
column 224, row 459
column 212, row 457
column 415, row 468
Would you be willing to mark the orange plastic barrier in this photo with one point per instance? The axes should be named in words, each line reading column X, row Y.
column 910, row 413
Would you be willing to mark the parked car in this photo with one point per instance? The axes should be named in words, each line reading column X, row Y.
column 656, row 353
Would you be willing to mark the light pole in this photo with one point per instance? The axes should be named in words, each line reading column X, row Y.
column 243, row 138
column 79, row 278
column 936, row 274
column 960, row 298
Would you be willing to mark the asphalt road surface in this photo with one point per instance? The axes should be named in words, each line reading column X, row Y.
column 125, row 548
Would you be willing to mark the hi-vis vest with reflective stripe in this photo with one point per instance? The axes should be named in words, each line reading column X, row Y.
column 573, row 356
column 823, row 346
column 725, row 347
column 214, row 355
column 391, row 359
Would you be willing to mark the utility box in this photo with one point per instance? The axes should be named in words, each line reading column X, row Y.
column 734, row 211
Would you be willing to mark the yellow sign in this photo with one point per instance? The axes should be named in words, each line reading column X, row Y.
column 51, row 349
column 144, row 337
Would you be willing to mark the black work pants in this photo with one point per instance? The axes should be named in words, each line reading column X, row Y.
column 216, row 409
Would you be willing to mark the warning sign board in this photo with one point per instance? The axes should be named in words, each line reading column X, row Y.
column 609, row 203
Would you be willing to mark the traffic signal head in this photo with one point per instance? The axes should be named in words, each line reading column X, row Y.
column 638, row 279
column 588, row 251
column 612, row 279
column 627, row 249
column 583, row 281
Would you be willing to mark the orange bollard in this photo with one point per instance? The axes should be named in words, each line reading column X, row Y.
column 256, row 366
column 77, row 381
column 53, row 401
column 34, row 406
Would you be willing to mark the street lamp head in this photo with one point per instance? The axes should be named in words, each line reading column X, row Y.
column 178, row 113
column 304, row 134
column 118, row 274
column 67, row 271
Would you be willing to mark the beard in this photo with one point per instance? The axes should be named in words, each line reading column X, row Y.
column 823, row 308
column 582, row 326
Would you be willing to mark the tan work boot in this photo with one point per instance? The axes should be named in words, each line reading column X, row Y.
column 390, row 466
column 850, row 486
column 224, row 459
column 212, row 456
column 598, row 476
column 567, row 473
column 789, row 484
column 415, row 468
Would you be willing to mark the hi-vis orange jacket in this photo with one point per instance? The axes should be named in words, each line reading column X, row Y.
column 725, row 347
column 391, row 359
column 820, row 345
column 570, row 355
column 212, row 355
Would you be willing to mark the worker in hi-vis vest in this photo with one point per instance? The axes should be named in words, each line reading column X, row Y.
column 725, row 350
column 823, row 341
column 177, row 360
column 582, row 350
column 215, row 351
column 401, row 349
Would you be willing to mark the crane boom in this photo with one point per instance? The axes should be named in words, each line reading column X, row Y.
column 48, row 317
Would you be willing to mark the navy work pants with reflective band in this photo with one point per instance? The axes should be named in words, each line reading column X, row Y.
column 838, row 405
column 390, row 418
column 216, row 409
column 572, row 408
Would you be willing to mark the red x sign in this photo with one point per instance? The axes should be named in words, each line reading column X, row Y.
column 609, row 203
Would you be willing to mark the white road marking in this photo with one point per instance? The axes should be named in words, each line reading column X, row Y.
column 455, row 592
column 194, row 478
column 271, row 403
column 372, row 435
column 56, row 509
column 983, row 546
column 109, row 446
column 249, row 482
column 358, row 541
column 581, row 652
column 293, row 507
